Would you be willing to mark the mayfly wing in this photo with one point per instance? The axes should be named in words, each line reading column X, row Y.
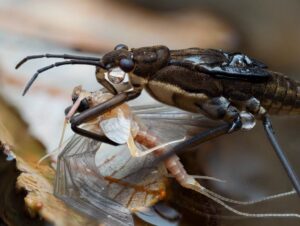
column 170, row 123
column 167, row 120
column 133, row 182
column 105, row 182
column 79, row 184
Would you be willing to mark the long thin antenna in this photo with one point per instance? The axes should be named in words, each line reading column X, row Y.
column 281, row 155
column 58, row 64
column 63, row 56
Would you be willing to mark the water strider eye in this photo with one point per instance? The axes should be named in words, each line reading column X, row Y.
column 126, row 65
column 121, row 46
column 116, row 76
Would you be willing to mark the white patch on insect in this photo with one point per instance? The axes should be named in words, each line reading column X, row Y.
column 116, row 129
column 248, row 120
column 194, row 59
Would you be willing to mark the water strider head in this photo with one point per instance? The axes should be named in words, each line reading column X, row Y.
column 138, row 63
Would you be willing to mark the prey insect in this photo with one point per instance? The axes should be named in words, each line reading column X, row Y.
column 223, row 86
column 120, row 177
column 125, row 176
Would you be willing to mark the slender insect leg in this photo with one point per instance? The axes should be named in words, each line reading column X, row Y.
column 216, row 108
column 76, row 120
column 92, row 135
column 197, row 139
column 280, row 153
column 136, row 152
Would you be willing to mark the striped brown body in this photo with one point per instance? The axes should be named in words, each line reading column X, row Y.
column 207, row 81
column 279, row 95
column 184, row 85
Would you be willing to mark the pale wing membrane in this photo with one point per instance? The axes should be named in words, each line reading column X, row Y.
column 133, row 182
column 78, row 183
column 169, row 123
column 107, row 182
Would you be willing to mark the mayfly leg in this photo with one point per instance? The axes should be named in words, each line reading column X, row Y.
column 280, row 153
column 136, row 152
column 60, row 145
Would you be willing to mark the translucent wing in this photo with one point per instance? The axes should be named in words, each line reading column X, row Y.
column 105, row 182
column 169, row 123
column 78, row 182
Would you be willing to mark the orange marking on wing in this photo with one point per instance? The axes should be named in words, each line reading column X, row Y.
column 137, row 188
column 130, row 199
column 107, row 161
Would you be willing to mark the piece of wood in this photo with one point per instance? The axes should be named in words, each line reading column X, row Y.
column 26, row 190
column 26, row 195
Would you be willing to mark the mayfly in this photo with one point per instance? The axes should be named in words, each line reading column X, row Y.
column 113, row 180
column 223, row 86
column 107, row 181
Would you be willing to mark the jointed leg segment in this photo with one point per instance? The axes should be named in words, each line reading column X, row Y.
column 77, row 120
column 281, row 155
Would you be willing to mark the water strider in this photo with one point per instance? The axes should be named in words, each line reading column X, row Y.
column 223, row 86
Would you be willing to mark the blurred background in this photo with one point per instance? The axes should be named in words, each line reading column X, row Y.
column 266, row 30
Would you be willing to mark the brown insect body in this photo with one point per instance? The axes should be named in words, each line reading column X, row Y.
column 280, row 95
column 174, row 78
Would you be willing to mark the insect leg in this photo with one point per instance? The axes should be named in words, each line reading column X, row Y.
column 217, row 108
column 92, row 135
column 281, row 155
column 98, row 110
column 197, row 139
column 136, row 152
column 63, row 56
